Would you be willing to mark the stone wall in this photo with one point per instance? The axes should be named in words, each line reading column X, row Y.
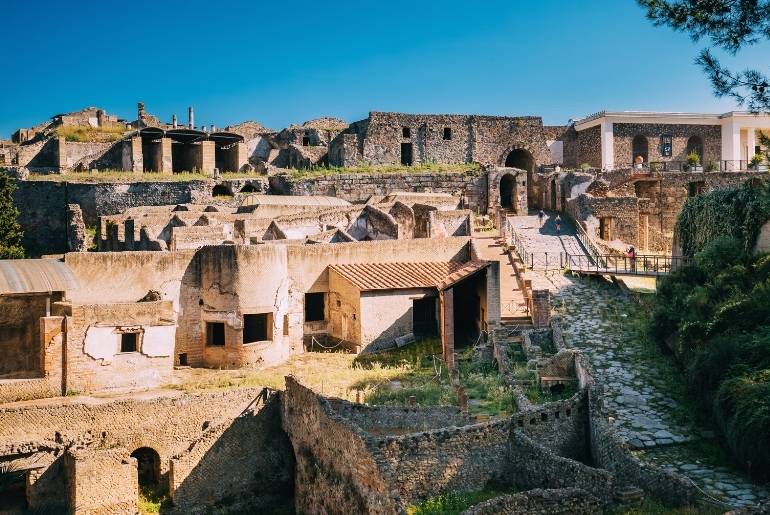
column 624, row 133
column 20, row 333
column 245, row 463
column 534, row 502
column 335, row 469
column 101, row 481
column 589, row 147
column 358, row 187
column 399, row 419
column 171, row 423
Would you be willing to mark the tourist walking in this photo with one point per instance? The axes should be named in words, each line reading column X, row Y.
column 541, row 216
column 558, row 224
column 631, row 254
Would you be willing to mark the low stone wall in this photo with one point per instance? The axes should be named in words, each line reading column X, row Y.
column 538, row 467
column 12, row 390
column 561, row 426
column 359, row 187
column 420, row 465
column 535, row 502
column 397, row 419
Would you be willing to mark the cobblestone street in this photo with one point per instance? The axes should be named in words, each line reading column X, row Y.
column 596, row 320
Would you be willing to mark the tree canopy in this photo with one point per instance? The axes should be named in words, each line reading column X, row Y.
column 729, row 25
column 10, row 231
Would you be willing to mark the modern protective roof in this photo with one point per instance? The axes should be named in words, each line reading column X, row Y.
column 292, row 200
column 35, row 276
column 400, row 276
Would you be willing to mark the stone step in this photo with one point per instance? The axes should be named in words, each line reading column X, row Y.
column 629, row 495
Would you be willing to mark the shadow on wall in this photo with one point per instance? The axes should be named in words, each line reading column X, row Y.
column 246, row 463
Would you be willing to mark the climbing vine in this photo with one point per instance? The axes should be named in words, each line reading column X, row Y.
column 738, row 212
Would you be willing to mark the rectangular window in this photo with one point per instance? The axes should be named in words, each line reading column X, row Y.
column 447, row 133
column 314, row 307
column 406, row 132
column 666, row 145
column 183, row 359
column 256, row 327
column 286, row 325
column 305, row 141
column 128, row 342
column 215, row 334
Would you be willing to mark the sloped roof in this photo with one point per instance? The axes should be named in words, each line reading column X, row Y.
column 400, row 276
column 35, row 276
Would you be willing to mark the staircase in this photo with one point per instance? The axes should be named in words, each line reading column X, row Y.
column 629, row 495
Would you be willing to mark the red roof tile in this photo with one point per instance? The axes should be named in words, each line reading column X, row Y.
column 399, row 276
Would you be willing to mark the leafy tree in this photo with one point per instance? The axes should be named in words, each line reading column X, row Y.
column 10, row 231
column 729, row 25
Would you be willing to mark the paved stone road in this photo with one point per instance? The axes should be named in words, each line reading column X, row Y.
column 594, row 317
column 544, row 243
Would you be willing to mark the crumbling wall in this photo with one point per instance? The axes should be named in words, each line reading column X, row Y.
column 400, row 419
column 335, row 469
column 564, row 500
column 245, row 463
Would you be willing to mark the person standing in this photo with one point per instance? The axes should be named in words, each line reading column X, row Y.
column 541, row 216
column 558, row 224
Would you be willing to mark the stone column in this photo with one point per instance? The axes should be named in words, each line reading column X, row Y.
column 208, row 157
column 751, row 142
column 132, row 158
column 243, row 156
column 731, row 145
column 493, row 295
column 165, row 161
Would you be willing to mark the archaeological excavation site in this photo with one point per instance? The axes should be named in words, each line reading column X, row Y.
column 396, row 315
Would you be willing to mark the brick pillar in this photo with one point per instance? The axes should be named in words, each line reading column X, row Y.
column 132, row 158
column 243, row 156
column 61, row 154
column 113, row 243
column 541, row 308
column 208, row 157
column 166, row 163
column 51, row 351
column 101, row 481
column 446, row 300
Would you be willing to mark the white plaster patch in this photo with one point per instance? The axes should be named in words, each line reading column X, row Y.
column 101, row 343
column 158, row 341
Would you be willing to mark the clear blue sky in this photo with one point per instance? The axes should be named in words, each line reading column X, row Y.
column 282, row 62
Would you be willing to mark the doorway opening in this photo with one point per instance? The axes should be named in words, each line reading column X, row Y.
column 406, row 154
column 424, row 319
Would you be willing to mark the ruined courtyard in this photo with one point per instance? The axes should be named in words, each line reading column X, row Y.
column 356, row 317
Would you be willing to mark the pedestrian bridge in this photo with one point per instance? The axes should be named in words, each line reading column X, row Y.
column 612, row 264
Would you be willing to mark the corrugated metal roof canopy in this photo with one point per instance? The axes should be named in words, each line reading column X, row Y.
column 399, row 276
column 292, row 200
column 35, row 276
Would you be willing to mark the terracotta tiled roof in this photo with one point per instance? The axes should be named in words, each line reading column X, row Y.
column 399, row 276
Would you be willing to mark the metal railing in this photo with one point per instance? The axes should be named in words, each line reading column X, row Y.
column 725, row 165
column 609, row 264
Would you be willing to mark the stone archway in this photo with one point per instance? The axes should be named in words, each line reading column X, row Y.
column 148, row 466
column 524, row 160
column 508, row 192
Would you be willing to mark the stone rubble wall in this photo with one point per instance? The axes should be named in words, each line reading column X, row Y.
column 335, row 469
column 540, row 502
column 399, row 419
column 216, row 469
column 420, row 465
column 358, row 187
column 101, row 481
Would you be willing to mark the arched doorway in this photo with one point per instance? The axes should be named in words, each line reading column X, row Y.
column 695, row 144
column 507, row 191
column 639, row 148
column 522, row 159
column 553, row 195
column 148, row 466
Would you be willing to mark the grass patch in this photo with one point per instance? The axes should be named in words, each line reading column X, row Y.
column 91, row 134
column 538, row 396
column 454, row 503
column 319, row 171
column 153, row 500
column 423, row 380
column 488, row 394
